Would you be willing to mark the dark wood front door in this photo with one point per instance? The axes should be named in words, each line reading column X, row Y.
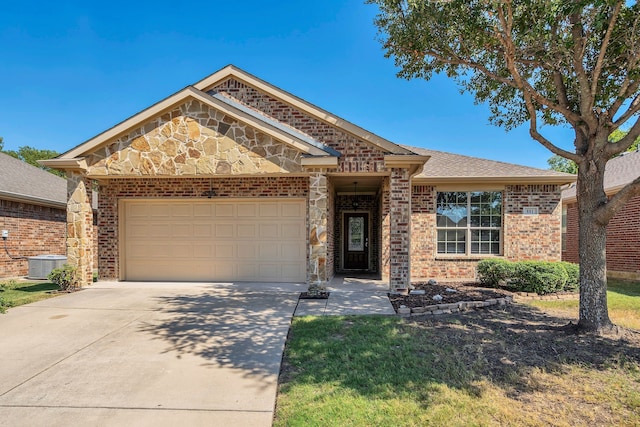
column 356, row 241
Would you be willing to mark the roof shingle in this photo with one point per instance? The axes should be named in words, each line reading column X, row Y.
column 619, row 172
column 20, row 180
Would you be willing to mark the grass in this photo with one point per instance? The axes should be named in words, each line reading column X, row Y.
column 13, row 293
column 485, row 368
column 623, row 298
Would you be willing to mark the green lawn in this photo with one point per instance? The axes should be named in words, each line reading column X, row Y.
column 13, row 293
column 505, row 366
column 623, row 297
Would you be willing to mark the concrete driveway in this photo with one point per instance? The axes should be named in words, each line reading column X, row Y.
column 138, row 354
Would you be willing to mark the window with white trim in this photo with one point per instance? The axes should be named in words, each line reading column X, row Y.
column 469, row 222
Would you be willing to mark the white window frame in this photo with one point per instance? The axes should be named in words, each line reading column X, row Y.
column 469, row 228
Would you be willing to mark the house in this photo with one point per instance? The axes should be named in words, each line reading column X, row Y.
column 234, row 179
column 623, row 231
column 33, row 211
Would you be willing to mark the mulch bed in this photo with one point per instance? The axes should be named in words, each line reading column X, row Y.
column 464, row 292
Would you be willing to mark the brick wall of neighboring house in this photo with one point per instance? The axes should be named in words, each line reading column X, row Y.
column 570, row 251
column 623, row 240
column 356, row 155
column 33, row 230
column 115, row 189
column 524, row 237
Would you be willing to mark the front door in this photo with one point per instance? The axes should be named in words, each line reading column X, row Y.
column 356, row 241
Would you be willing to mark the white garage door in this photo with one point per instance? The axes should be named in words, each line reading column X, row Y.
column 205, row 240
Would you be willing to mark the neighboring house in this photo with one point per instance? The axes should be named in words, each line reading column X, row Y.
column 623, row 231
column 234, row 179
column 33, row 206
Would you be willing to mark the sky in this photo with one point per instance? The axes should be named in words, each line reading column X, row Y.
column 72, row 69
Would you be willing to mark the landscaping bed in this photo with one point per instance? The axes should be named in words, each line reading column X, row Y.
column 463, row 292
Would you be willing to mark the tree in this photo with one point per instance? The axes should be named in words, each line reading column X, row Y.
column 561, row 164
column 541, row 62
column 32, row 155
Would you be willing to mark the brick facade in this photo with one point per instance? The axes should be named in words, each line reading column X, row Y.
column 524, row 237
column 33, row 230
column 356, row 155
column 623, row 240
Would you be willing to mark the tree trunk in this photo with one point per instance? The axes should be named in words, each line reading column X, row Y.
column 592, row 241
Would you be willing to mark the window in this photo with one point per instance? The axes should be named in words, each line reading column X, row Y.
column 469, row 222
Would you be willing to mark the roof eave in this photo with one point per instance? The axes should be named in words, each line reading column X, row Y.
column 24, row 198
column 494, row 180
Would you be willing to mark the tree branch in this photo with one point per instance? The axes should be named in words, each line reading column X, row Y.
column 607, row 211
column 603, row 49
column 615, row 148
column 586, row 100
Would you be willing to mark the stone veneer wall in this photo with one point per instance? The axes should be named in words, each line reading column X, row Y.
column 623, row 240
column 113, row 190
column 33, row 230
column 368, row 204
column 356, row 155
column 193, row 139
column 525, row 237
column 80, row 227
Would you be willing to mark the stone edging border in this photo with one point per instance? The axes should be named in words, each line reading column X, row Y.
column 528, row 296
column 457, row 307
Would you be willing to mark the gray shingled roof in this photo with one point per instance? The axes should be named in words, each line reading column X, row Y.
column 619, row 172
column 21, row 181
column 442, row 166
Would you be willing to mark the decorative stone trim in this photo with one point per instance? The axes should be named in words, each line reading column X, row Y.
column 529, row 296
column 455, row 307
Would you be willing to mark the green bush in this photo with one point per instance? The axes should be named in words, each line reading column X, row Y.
column 8, row 285
column 495, row 271
column 64, row 277
column 573, row 273
column 540, row 277
column 3, row 305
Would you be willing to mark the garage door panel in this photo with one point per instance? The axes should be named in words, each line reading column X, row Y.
column 269, row 231
column 269, row 210
column 225, row 210
column 235, row 240
column 224, row 231
column 293, row 231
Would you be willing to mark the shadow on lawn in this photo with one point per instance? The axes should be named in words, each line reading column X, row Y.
column 384, row 356
column 244, row 330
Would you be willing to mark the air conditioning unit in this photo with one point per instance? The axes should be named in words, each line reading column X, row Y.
column 40, row 266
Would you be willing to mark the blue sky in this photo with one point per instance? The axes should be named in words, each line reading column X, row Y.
column 73, row 69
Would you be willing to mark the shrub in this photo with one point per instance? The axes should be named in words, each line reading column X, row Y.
column 64, row 277
column 8, row 285
column 540, row 277
column 3, row 305
column 494, row 272
column 573, row 273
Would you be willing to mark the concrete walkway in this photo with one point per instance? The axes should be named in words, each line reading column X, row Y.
column 146, row 354
column 350, row 295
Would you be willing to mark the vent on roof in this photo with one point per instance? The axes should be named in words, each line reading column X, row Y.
column 40, row 266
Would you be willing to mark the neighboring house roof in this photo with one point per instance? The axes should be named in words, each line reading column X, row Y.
column 22, row 182
column 618, row 172
column 449, row 168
